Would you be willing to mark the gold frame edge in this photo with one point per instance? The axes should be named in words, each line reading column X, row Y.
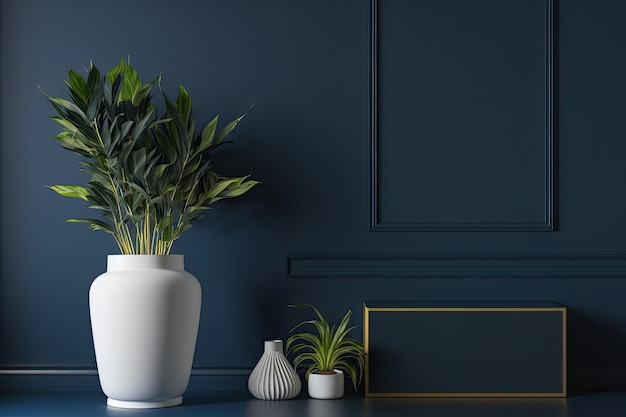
column 563, row 394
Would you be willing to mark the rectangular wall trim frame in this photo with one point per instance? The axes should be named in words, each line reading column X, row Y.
column 549, row 222
column 456, row 266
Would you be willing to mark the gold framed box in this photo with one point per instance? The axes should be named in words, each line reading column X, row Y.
column 456, row 349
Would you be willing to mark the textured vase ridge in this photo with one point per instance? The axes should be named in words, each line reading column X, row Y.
column 273, row 378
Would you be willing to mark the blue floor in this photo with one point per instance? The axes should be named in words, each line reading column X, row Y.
column 92, row 404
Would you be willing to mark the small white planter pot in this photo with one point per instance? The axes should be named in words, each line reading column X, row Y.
column 144, row 312
column 326, row 387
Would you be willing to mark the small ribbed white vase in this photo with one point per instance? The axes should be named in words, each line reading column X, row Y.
column 273, row 377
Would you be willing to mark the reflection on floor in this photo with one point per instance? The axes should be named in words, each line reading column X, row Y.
column 92, row 404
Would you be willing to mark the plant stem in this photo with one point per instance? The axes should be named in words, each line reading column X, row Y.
column 127, row 247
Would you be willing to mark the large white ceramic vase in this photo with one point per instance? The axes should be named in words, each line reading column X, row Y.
column 145, row 312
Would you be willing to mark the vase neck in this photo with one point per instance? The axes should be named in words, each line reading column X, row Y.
column 129, row 262
column 274, row 346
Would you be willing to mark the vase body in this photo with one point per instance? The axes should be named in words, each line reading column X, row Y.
column 273, row 378
column 326, row 387
column 145, row 312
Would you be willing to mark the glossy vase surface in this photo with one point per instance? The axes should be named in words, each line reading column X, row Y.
column 145, row 312
column 273, row 378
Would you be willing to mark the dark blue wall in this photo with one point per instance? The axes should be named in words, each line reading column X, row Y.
column 422, row 149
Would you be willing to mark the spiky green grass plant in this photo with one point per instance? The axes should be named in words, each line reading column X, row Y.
column 327, row 350
column 150, row 175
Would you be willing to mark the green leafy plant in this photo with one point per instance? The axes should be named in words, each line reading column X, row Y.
column 150, row 175
column 327, row 350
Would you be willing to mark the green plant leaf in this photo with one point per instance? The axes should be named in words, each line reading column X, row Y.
column 235, row 189
column 93, row 78
column 78, row 87
column 227, row 129
column 67, row 106
column 183, row 104
column 140, row 127
column 131, row 83
column 342, row 330
column 352, row 371
column 95, row 224
column 221, row 186
column 207, row 135
column 73, row 191
column 115, row 72
column 143, row 93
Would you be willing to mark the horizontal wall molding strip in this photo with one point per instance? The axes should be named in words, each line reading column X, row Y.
column 93, row 371
column 456, row 266
column 48, row 372
column 82, row 379
column 580, row 378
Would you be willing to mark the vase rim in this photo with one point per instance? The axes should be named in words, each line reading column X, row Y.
column 143, row 255
column 337, row 372
column 125, row 262
column 274, row 345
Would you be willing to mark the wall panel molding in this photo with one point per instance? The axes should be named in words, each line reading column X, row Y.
column 580, row 378
column 456, row 266
column 50, row 378
column 549, row 220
